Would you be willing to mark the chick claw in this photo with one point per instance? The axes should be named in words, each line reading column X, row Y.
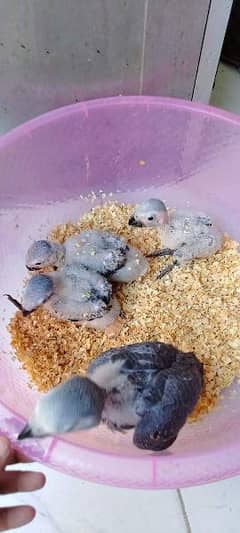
column 166, row 270
column 113, row 427
column 162, row 253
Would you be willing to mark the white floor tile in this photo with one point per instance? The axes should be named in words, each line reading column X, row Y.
column 68, row 505
column 215, row 507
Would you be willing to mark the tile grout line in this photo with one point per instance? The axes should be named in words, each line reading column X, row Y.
column 184, row 511
column 143, row 46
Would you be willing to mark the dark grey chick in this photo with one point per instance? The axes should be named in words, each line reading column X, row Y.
column 167, row 401
column 151, row 386
column 124, row 372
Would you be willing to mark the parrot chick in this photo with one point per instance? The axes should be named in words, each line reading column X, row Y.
column 73, row 293
column 150, row 386
column 167, row 402
column 184, row 234
column 97, row 250
column 74, row 405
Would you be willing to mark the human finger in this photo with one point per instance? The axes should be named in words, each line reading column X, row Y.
column 18, row 481
column 5, row 449
column 13, row 517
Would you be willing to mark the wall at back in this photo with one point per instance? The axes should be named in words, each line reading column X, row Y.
column 56, row 52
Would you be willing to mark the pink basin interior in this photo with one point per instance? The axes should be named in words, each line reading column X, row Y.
column 132, row 147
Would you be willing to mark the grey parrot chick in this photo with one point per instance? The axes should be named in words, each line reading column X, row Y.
column 150, row 386
column 73, row 293
column 43, row 254
column 74, row 405
column 97, row 250
column 184, row 234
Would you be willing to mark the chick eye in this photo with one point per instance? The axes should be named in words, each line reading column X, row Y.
column 37, row 264
column 156, row 434
column 150, row 218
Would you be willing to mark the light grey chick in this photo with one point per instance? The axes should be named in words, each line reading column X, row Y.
column 101, row 251
column 74, row 405
column 73, row 293
column 184, row 234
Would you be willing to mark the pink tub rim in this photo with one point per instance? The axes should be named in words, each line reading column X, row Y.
column 192, row 469
column 84, row 106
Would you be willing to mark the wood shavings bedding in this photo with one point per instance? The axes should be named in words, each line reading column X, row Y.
column 196, row 308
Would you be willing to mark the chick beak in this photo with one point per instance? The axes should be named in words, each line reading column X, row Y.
column 32, row 269
column 133, row 222
column 26, row 433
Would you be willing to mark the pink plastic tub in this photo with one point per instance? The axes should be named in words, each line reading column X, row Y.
column 132, row 147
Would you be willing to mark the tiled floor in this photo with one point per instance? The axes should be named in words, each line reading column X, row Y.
column 67, row 505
